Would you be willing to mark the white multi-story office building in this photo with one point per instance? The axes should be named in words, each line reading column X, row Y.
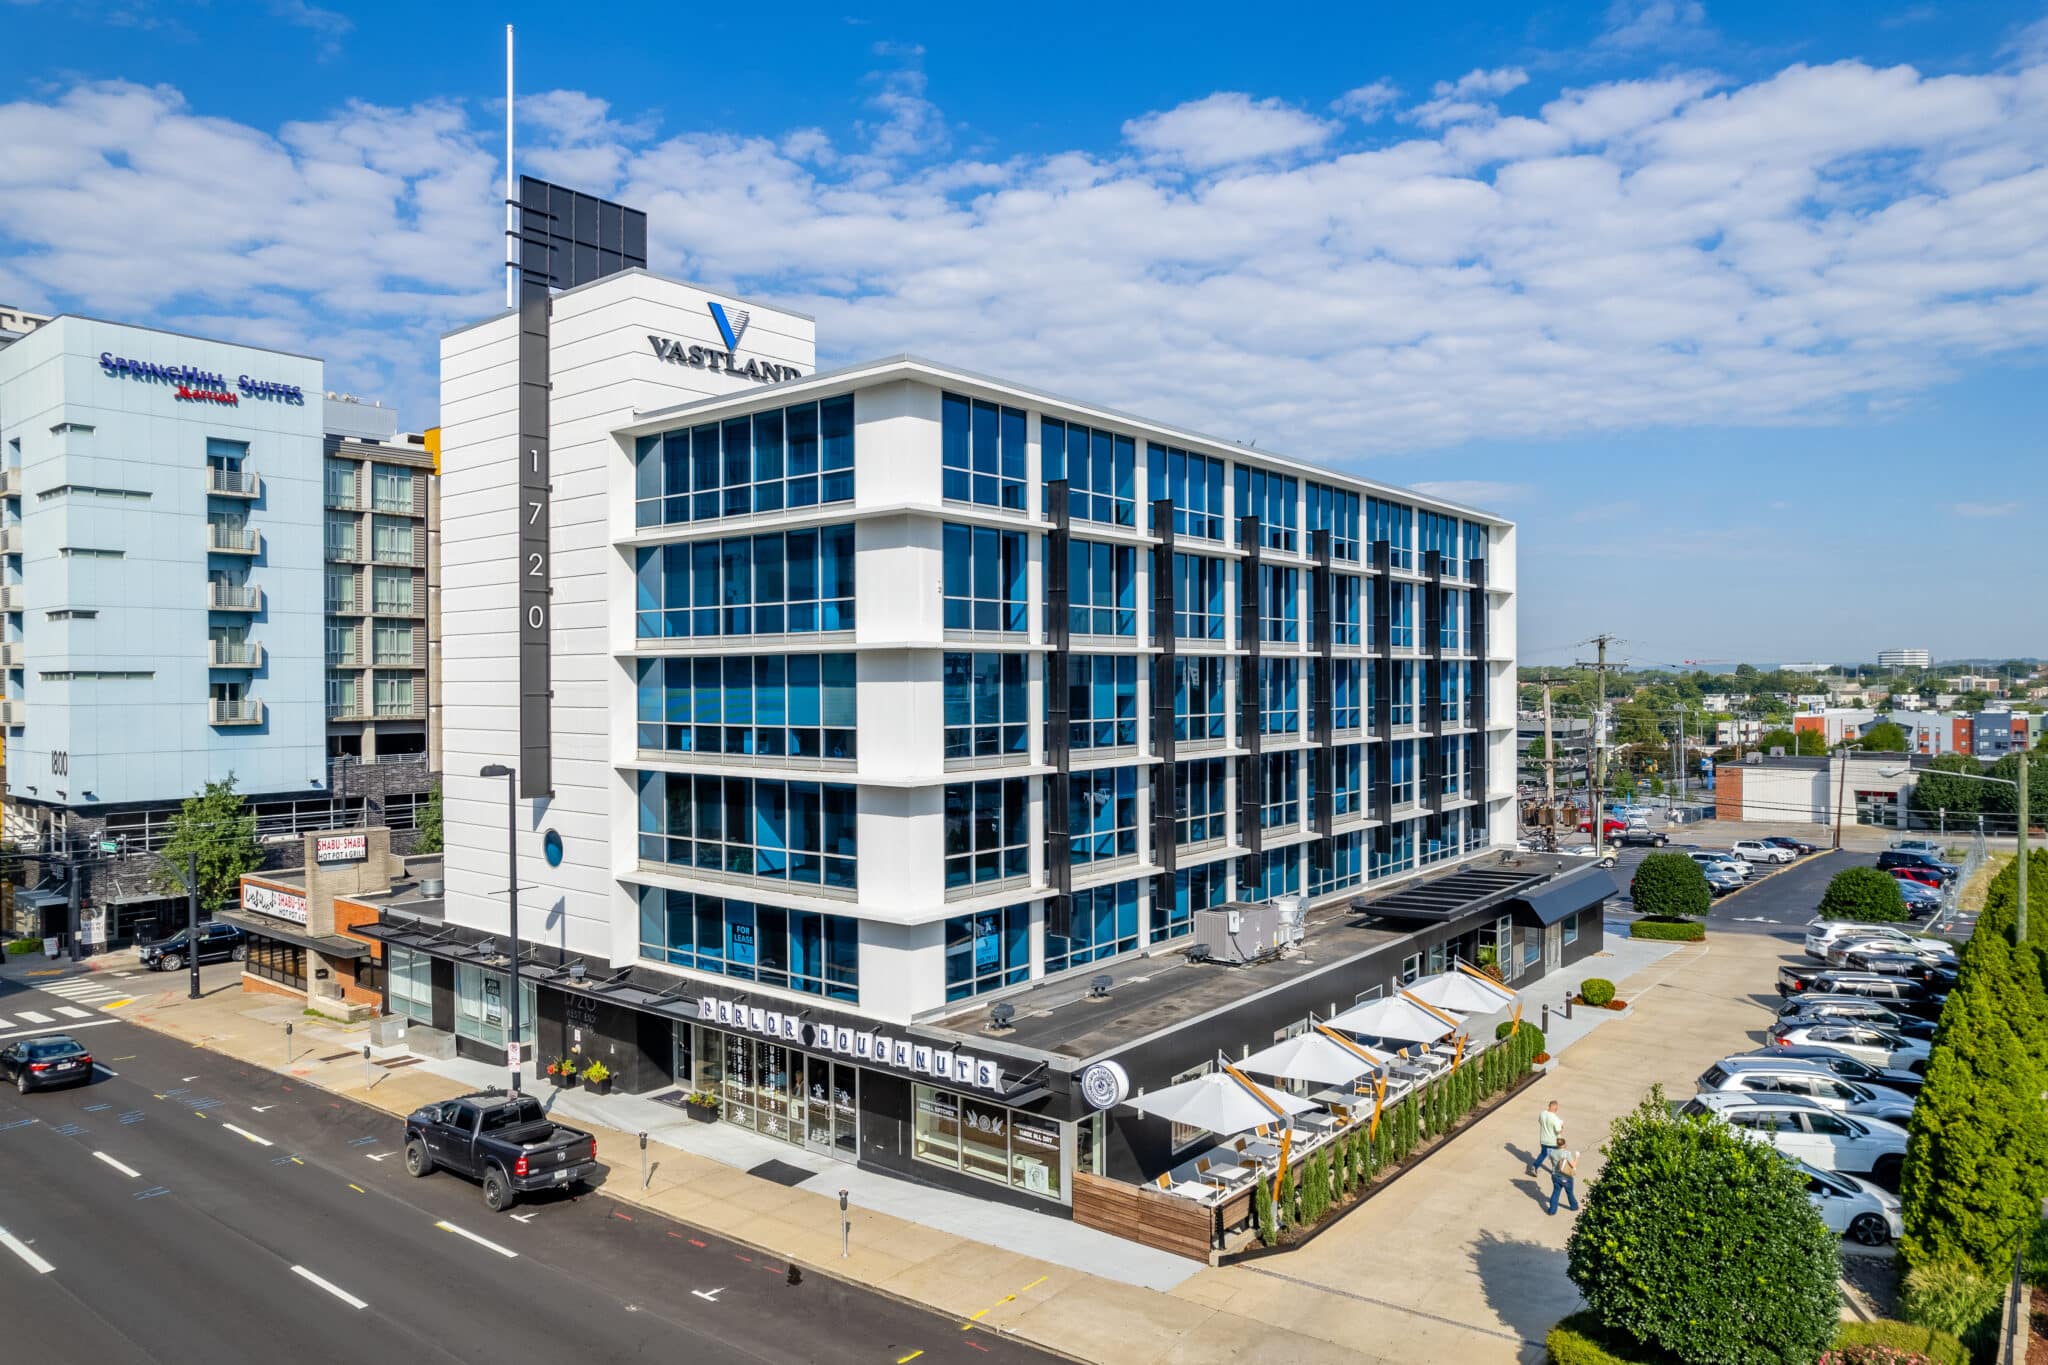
column 881, row 694
column 1904, row 658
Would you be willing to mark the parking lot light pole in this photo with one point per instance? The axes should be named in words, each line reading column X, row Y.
column 511, row 777
column 2019, row 927
column 192, row 919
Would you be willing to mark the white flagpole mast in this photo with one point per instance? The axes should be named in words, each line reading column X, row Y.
column 511, row 207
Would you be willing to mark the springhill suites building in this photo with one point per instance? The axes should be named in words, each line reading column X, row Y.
column 871, row 697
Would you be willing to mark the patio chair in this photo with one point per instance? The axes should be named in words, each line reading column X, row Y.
column 1164, row 1182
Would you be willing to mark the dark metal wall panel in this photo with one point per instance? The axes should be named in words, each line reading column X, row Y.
column 1165, row 795
column 536, row 558
column 1250, row 784
column 1475, row 616
column 1059, row 856
column 1381, row 719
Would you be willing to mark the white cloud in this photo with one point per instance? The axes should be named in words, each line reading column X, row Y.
column 1468, row 98
column 1636, row 24
column 1368, row 102
column 1224, row 129
column 1665, row 252
column 1980, row 510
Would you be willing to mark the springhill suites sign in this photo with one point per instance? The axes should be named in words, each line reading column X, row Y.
column 206, row 386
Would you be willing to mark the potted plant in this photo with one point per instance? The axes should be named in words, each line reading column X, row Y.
column 598, row 1077
column 562, row 1071
column 702, row 1105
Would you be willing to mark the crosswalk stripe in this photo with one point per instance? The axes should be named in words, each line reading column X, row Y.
column 70, row 1013
column 5, row 1024
column 35, row 1018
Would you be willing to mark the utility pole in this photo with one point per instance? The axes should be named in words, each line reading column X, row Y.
column 1549, row 767
column 1599, row 774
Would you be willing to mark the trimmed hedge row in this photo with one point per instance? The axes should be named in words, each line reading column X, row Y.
column 1580, row 1340
column 1672, row 931
column 21, row 947
column 1886, row 1342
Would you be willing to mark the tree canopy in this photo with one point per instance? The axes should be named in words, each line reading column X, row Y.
column 1671, row 885
column 1811, row 743
column 1936, row 788
column 1863, row 895
column 217, row 826
column 1886, row 737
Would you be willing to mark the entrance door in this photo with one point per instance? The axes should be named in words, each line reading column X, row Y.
column 831, row 1107
column 1553, row 947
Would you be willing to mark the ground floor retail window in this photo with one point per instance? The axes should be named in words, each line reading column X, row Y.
column 284, row 963
column 779, row 1092
column 412, row 983
column 989, row 1141
column 482, row 1012
column 1571, row 929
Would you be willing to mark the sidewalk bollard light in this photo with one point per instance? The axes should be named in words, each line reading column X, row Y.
column 643, row 1161
column 845, row 1226
column 368, row 1075
column 287, row 1044
column 1567, row 1007
column 1546, row 1021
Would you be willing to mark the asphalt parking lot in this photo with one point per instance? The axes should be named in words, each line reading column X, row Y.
column 1778, row 903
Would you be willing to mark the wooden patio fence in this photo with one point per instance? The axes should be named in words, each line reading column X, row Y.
column 1164, row 1222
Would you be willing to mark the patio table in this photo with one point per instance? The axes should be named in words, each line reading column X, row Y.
column 1193, row 1189
column 1225, row 1175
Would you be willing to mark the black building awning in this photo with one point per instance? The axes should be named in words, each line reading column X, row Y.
column 1463, row 892
column 1561, row 899
column 331, row 945
column 38, row 898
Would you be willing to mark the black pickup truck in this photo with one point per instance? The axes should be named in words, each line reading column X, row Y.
column 506, row 1141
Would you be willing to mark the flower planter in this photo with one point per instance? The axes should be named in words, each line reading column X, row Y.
column 562, row 1082
column 703, row 1113
column 603, row 1087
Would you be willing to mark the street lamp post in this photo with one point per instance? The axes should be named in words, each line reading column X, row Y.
column 511, row 777
column 2020, row 912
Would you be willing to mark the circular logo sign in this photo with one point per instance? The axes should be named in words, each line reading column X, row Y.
column 1105, row 1085
column 551, row 848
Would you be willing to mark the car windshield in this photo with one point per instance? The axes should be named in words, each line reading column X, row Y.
column 526, row 1111
column 53, row 1049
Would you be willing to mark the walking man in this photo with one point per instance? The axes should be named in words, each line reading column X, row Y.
column 1549, row 1136
column 1563, row 1180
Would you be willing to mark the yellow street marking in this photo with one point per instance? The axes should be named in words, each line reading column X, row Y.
column 905, row 1360
column 297, row 1162
column 116, row 1004
column 357, row 1188
column 1033, row 1285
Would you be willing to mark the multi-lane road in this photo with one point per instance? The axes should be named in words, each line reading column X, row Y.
column 185, row 1207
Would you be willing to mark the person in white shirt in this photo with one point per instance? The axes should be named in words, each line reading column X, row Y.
column 1549, row 1136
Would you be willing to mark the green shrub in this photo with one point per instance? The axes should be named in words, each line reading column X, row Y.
column 1949, row 1296
column 1919, row 1343
column 1864, row 895
column 1671, row 885
column 1670, row 931
column 1262, row 1210
column 21, row 947
column 1580, row 1340
column 1596, row 991
column 1704, row 1244
column 1528, row 1030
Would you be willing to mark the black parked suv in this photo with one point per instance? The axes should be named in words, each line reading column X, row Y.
column 217, row 943
column 1639, row 837
column 1900, row 993
column 1897, row 857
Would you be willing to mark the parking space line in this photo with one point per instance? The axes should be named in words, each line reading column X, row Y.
column 21, row 1249
column 334, row 1289
column 128, row 1171
column 244, row 1132
column 446, row 1226
column 56, row 1028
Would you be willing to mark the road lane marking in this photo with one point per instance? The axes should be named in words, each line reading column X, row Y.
column 379, row 1156
column 56, row 1028
column 105, row 1069
column 128, row 1171
column 116, row 1004
column 523, row 1217
column 357, row 1188
column 712, row 1297
column 263, row 1108
column 34, row 1018
column 21, row 1249
column 334, row 1289
column 480, row 1241
column 73, row 1012
column 905, row 1360
column 244, row 1132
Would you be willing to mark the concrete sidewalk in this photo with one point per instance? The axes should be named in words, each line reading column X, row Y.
column 912, row 1253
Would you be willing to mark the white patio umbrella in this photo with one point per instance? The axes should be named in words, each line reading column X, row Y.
column 1397, row 1017
column 1462, row 992
column 1312, row 1057
column 1220, row 1103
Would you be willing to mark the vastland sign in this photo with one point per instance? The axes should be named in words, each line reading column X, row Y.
column 710, row 357
column 202, row 385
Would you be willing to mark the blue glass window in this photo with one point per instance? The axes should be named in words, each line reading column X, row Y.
column 1452, row 751
column 1194, row 483
column 1102, row 588
column 1105, row 923
column 1451, row 694
column 985, row 705
column 1336, row 863
column 1346, row 692
column 1197, row 597
column 1475, row 545
column 1336, row 511
column 984, row 579
column 1347, row 764
column 1401, row 615
column 1400, row 760
column 987, row 831
column 1403, row 702
column 1400, row 857
column 1272, row 499
column 1452, row 633
column 748, row 827
column 1102, row 701
column 1201, row 799
column 1102, row 814
column 796, row 950
column 1393, row 522
column 982, row 450
column 1279, row 696
column 770, row 705
column 1193, row 888
column 1435, row 531
column 793, row 582
column 1100, row 467
column 1279, row 611
column 1198, row 697
column 1345, row 595
column 762, row 462
column 1276, row 872
column 987, row 950
column 1280, row 789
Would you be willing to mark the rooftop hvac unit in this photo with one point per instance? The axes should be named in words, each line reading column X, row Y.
column 1238, row 933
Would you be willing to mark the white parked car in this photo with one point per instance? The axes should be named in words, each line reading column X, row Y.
column 1821, row 934
column 1812, row 1133
column 1864, row 1042
column 1924, row 846
column 1932, row 951
column 1733, row 866
column 1775, row 1076
column 1756, row 851
column 1857, row 1209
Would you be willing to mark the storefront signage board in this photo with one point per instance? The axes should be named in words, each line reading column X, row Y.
column 861, row 1045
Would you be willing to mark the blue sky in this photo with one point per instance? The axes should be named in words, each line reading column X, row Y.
column 1739, row 311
